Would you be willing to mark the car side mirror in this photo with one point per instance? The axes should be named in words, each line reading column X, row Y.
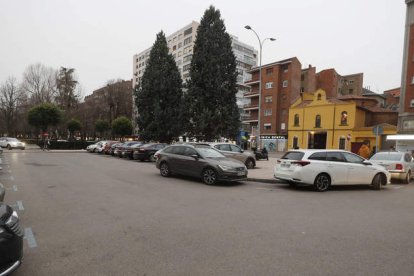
column 195, row 156
column 242, row 150
column 367, row 163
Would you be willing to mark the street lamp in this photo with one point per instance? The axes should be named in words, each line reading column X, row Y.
column 261, row 42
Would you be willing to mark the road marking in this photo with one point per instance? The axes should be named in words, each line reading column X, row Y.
column 398, row 187
column 20, row 205
column 28, row 235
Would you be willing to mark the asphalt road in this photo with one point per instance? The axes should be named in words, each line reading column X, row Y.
column 100, row 215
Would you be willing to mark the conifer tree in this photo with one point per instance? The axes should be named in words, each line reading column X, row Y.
column 211, row 107
column 159, row 96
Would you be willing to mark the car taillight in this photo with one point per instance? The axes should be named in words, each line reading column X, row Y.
column 301, row 163
column 399, row 167
column 156, row 155
column 278, row 161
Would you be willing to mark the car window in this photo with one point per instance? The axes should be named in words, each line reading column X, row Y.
column 407, row 157
column 208, row 152
column 178, row 150
column 168, row 149
column 293, row 155
column 318, row 156
column 189, row 151
column 235, row 148
column 352, row 158
column 224, row 147
column 160, row 146
column 335, row 157
column 391, row 156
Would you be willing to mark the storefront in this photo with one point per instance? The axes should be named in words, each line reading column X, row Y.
column 273, row 143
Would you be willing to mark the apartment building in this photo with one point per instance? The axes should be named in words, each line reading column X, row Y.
column 281, row 84
column 406, row 108
column 181, row 44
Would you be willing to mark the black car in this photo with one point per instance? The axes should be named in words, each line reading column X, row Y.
column 11, row 240
column 147, row 151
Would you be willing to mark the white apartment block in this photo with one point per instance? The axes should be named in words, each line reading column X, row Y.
column 181, row 44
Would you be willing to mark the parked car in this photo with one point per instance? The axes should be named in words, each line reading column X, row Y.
column 100, row 147
column 114, row 148
column 235, row 152
column 2, row 192
column 199, row 160
column 323, row 168
column 108, row 147
column 92, row 148
column 124, row 148
column 11, row 143
column 11, row 240
column 147, row 151
column 399, row 164
column 128, row 151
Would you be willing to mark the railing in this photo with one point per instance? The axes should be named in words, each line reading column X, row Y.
column 252, row 93
column 252, row 106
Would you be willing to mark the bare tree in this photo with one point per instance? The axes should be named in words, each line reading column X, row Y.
column 39, row 82
column 11, row 97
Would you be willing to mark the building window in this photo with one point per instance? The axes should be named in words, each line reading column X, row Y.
column 285, row 83
column 267, row 126
column 342, row 143
column 174, row 47
column 284, row 112
column 187, row 40
column 285, row 68
column 269, row 71
column 180, row 45
column 268, row 112
column 188, row 31
column 296, row 120
column 412, row 103
column 318, row 121
column 269, row 85
column 319, row 97
column 351, row 82
column 187, row 58
column 186, row 67
column 344, row 118
column 268, row 99
column 351, row 91
column 295, row 143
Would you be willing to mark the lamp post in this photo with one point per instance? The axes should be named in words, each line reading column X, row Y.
column 261, row 42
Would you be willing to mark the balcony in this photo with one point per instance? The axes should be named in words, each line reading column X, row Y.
column 251, row 106
column 251, row 82
column 250, row 119
column 251, row 94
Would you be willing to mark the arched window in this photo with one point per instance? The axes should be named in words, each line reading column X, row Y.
column 319, row 97
column 295, row 142
column 318, row 121
column 344, row 118
column 296, row 120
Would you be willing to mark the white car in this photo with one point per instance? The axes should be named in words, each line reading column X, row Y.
column 11, row 143
column 323, row 168
column 92, row 148
column 399, row 164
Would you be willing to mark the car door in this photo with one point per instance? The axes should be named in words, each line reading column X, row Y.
column 192, row 166
column 337, row 167
column 358, row 172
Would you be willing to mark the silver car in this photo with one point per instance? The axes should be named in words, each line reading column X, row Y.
column 399, row 164
column 11, row 143
column 235, row 152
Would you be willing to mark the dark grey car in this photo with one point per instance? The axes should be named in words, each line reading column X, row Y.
column 200, row 161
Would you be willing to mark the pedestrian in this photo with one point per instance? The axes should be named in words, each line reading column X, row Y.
column 254, row 145
column 46, row 143
column 364, row 150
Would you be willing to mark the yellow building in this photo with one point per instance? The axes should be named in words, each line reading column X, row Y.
column 319, row 123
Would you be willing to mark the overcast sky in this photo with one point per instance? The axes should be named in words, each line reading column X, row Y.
column 99, row 37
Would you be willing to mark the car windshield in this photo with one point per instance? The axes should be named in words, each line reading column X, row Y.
column 293, row 155
column 391, row 156
column 208, row 152
column 148, row 146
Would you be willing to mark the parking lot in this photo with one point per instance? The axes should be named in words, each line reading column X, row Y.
column 89, row 214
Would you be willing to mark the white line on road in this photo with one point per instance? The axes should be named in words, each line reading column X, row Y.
column 28, row 235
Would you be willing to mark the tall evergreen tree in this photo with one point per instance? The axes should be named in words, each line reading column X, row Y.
column 159, row 95
column 211, row 107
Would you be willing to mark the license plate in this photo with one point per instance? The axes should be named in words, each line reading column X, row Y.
column 241, row 173
column 285, row 165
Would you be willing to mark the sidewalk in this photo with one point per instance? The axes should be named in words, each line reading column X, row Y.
column 263, row 172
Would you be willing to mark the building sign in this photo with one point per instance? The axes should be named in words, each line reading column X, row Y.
column 273, row 137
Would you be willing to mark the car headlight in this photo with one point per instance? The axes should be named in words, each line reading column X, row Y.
column 226, row 168
column 24, row 144
column 12, row 219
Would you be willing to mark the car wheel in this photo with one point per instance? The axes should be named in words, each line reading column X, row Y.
column 9, row 147
column 151, row 158
column 165, row 169
column 209, row 176
column 377, row 181
column 250, row 163
column 407, row 178
column 322, row 182
column 94, row 150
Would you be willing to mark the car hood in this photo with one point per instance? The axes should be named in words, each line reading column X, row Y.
column 226, row 161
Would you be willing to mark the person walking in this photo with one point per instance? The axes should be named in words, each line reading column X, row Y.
column 254, row 145
column 46, row 144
